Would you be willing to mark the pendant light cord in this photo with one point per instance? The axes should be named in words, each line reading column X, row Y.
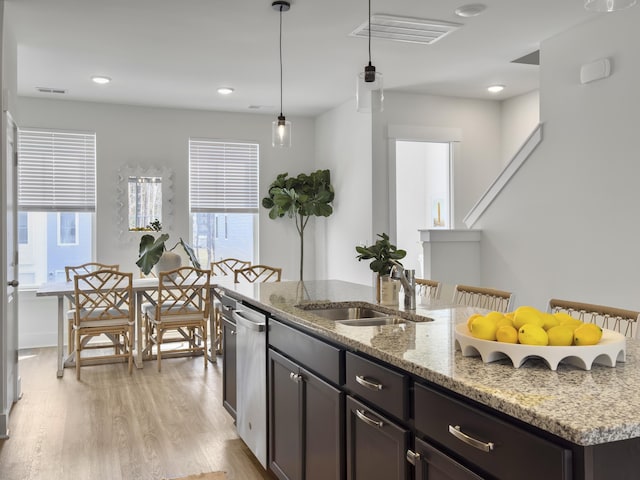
column 369, row 32
column 281, row 59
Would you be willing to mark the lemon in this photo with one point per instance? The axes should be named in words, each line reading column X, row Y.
column 560, row 335
column 531, row 334
column 530, row 315
column 471, row 318
column 570, row 321
column 562, row 316
column 495, row 316
column 505, row 321
column 508, row 334
column 550, row 321
column 587, row 334
column 483, row 328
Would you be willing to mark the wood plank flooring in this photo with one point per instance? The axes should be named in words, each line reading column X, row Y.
column 111, row 426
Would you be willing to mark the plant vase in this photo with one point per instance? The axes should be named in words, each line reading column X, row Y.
column 168, row 261
column 387, row 291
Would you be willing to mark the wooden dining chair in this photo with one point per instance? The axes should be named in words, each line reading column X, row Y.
column 103, row 306
column 227, row 266
column 71, row 271
column 224, row 267
column 182, row 307
column 489, row 298
column 618, row 319
column 427, row 289
column 257, row 274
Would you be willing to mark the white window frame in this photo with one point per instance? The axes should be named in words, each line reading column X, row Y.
column 76, row 221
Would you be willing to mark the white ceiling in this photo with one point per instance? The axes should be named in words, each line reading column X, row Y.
column 176, row 53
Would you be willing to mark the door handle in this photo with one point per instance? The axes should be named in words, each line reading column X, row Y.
column 463, row 437
column 13, row 283
column 369, row 421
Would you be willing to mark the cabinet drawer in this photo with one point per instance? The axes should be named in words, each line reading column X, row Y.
column 501, row 449
column 385, row 388
column 316, row 355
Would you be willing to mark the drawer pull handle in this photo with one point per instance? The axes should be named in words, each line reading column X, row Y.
column 369, row 421
column 412, row 457
column 463, row 437
column 232, row 332
column 296, row 377
column 368, row 384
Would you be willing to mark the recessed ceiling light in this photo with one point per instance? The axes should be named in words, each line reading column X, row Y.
column 100, row 80
column 471, row 10
column 225, row 90
column 495, row 88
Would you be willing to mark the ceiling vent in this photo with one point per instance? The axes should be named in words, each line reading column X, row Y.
column 51, row 90
column 532, row 58
column 405, row 29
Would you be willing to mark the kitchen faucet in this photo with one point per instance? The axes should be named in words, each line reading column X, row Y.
column 408, row 280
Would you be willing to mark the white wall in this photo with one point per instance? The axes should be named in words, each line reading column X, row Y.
column 519, row 117
column 343, row 144
column 159, row 137
column 478, row 160
column 566, row 225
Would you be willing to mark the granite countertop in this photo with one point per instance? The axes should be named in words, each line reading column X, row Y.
column 585, row 407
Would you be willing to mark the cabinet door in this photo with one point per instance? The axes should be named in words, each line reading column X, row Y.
column 285, row 418
column 432, row 464
column 323, row 429
column 229, row 367
column 376, row 447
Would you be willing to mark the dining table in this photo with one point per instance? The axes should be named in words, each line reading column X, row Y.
column 143, row 291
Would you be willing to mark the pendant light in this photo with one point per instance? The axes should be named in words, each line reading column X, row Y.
column 369, row 94
column 281, row 128
column 605, row 6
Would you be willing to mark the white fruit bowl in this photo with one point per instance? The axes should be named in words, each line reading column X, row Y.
column 610, row 349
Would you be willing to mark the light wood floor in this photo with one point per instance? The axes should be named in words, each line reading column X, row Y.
column 112, row 426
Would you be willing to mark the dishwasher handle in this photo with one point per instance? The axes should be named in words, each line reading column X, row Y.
column 241, row 318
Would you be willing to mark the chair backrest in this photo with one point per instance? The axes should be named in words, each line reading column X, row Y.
column 618, row 319
column 227, row 266
column 489, row 298
column 72, row 270
column 103, row 295
column 257, row 273
column 183, row 292
column 429, row 289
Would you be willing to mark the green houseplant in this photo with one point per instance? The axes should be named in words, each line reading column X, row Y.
column 151, row 249
column 300, row 198
column 383, row 255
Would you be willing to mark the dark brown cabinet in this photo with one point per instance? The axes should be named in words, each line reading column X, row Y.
column 306, row 418
column 431, row 464
column 229, row 370
column 376, row 446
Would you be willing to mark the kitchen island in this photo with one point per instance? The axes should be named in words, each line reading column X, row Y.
column 596, row 411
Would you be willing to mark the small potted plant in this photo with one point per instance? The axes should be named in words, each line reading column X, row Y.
column 153, row 252
column 383, row 255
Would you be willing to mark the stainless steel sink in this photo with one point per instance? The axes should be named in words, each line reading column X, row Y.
column 373, row 322
column 348, row 313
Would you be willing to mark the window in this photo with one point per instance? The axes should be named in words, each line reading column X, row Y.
column 223, row 191
column 56, row 200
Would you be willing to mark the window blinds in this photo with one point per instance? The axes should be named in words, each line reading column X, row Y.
column 223, row 176
column 56, row 171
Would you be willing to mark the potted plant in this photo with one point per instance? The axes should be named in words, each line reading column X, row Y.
column 154, row 252
column 300, row 198
column 384, row 256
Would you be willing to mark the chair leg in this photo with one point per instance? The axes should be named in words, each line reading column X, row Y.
column 158, row 342
column 78, row 347
column 204, row 345
column 129, row 347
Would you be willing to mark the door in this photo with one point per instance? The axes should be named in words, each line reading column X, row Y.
column 432, row 464
column 10, row 384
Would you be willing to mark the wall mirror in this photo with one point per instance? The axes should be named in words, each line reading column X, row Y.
column 145, row 194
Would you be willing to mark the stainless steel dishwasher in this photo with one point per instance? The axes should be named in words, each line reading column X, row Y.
column 251, row 358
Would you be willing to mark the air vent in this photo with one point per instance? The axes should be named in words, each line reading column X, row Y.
column 532, row 58
column 405, row 29
column 61, row 91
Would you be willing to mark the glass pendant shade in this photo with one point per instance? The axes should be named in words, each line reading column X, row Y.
column 369, row 91
column 281, row 132
column 608, row 5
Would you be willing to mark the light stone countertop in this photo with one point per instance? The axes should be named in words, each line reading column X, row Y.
column 585, row 407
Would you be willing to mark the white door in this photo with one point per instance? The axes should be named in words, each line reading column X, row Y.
column 10, row 385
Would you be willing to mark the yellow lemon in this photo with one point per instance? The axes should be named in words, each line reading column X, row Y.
column 471, row 318
column 560, row 335
column 531, row 334
column 483, row 328
column 524, row 315
column 587, row 334
column 550, row 320
column 495, row 317
column 507, row 334
column 504, row 321
column 569, row 321
column 509, row 315
column 564, row 316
